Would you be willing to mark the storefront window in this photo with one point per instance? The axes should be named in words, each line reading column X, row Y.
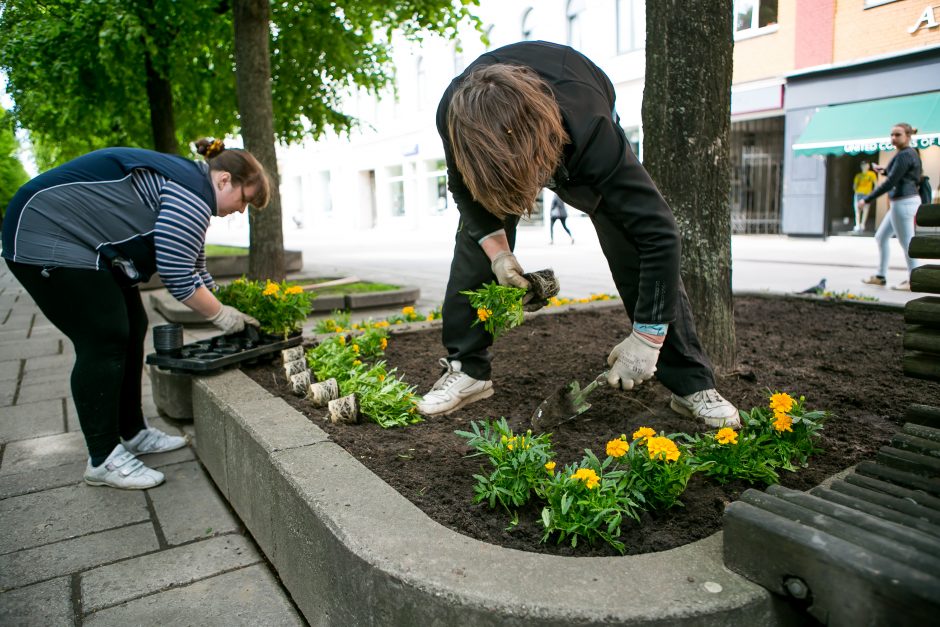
column 437, row 186
column 396, row 191
column 631, row 25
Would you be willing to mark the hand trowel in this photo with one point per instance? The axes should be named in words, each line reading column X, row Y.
column 567, row 403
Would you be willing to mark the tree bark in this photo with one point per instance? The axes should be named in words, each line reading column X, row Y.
column 686, row 124
column 160, row 99
column 253, row 83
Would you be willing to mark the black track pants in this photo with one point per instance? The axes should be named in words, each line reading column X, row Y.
column 682, row 367
column 107, row 325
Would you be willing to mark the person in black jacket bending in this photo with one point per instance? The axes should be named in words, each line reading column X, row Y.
column 533, row 115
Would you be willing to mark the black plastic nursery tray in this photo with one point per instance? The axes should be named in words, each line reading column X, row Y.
column 222, row 351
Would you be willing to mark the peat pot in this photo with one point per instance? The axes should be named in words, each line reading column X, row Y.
column 319, row 394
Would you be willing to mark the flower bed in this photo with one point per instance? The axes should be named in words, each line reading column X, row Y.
column 845, row 359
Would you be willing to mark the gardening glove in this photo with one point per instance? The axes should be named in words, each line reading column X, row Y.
column 508, row 271
column 632, row 362
column 229, row 320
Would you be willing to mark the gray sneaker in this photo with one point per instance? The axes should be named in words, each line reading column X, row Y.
column 707, row 405
column 122, row 470
column 152, row 440
column 453, row 390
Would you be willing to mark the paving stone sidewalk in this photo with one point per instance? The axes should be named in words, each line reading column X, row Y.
column 72, row 554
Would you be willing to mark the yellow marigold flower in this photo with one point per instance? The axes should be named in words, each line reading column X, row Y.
column 783, row 422
column 356, row 362
column 294, row 289
column 339, row 329
column 662, row 448
column 355, row 348
column 642, row 433
column 342, row 340
column 430, row 316
column 408, row 310
column 781, row 402
column 617, row 448
column 588, row 476
column 483, row 313
column 270, row 289
column 727, row 435
column 383, row 343
column 398, row 322
column 381, row 324
column 550, row 466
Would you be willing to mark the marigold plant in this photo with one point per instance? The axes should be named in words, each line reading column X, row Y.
column 280, row 308
column 728, row 455
column 658, row 468
column 498, row 307
column 785, row 429
column 589, row 501
column 519, row 462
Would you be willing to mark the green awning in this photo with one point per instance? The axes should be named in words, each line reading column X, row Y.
column 864, row 126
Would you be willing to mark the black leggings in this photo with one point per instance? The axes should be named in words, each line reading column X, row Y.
column 107, row 325
column 551, row 228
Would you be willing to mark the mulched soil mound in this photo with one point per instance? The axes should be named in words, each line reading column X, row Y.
column 844, row 358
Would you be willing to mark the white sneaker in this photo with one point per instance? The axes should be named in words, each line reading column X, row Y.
column 453, row 390
column 152, row 440
column 122, row 470
column 707, row 405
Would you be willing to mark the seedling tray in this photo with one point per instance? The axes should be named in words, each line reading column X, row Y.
column 222, row 351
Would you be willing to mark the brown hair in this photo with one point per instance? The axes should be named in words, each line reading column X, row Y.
column 910, row 130
column 241, row 165
column 507, row 135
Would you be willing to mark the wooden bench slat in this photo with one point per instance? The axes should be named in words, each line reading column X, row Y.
column 926, row 279
column 881, row 505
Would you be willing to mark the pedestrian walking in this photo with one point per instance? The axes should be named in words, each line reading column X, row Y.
column 904, row 173
column 558, row 214
column 533, row 115
column 82, row 236
column 862, row 185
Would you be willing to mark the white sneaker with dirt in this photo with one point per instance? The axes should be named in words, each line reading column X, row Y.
column 455, row 389
column 152, row 440
column 122, row 470
column 707, row 405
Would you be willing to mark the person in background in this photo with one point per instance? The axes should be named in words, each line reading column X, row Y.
column 81, row 236
column 903, row 177
column 533, row 115
column 560, row 214
column 862, row 185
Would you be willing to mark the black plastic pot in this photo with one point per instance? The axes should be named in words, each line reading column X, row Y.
column 168, row 339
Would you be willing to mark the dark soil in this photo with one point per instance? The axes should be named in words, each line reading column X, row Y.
column 844, row 358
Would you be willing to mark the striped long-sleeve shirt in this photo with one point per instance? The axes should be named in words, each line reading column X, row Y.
column 140, row 206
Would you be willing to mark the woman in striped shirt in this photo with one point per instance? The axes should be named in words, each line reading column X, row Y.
column 81, row 236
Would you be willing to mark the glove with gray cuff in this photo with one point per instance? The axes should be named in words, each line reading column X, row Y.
column 632, row 362
column 229, row 320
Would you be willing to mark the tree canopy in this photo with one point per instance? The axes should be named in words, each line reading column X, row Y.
column 12, row 174
column 84, row 75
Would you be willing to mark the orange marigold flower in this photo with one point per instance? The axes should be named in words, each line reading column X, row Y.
column 294, row 289
column 643, row 433
column 588, row 476
column 662, row 448
column 781, row 402
column 727, row 435
column 383, row 343
column 783, row 422
column 617, row 448
column 483, row 313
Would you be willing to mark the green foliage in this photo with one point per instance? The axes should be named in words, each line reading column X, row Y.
column 788, row 430
column 78, row 71
column 724, row 456
column 383, row 397
column 659, row 470
column 590, row 500
column 518, row 461
column 281, row 308
column 337, row 322
column 499, row 307
column 12, row 174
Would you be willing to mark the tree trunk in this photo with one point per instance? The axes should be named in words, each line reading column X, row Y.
column 253, row 82
column 160, row 99
column 686, row 123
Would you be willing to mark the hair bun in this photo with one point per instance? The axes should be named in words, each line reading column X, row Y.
column 209, row 148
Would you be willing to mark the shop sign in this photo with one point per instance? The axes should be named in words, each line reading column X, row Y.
column 927, row 19
column 871, row 145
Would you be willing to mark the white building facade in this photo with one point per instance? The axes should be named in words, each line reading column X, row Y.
column 390, row 173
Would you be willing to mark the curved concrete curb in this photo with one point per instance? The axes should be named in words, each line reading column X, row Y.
column 351, row 550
